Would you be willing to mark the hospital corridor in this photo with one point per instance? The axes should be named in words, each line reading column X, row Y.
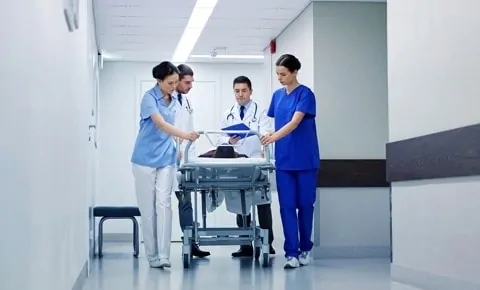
column 218, row 144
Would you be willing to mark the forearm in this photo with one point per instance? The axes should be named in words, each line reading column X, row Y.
column 286, row 129
column 170, row 129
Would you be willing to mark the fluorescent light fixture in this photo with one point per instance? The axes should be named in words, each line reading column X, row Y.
column 228, row 56
column 198, row 19
column 110, row 56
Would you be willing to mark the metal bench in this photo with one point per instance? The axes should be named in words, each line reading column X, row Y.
column 118, row 212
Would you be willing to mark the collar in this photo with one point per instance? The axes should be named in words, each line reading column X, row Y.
column 247, row 105
column 175, row 93
column 160, row 96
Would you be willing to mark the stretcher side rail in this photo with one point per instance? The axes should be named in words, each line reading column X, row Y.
column 266, row 150
column 206, row 175
column 201, row 178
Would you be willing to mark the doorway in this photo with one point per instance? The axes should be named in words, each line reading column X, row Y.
column 93, row 162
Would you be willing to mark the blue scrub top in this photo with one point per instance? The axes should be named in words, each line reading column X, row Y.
column 155, row 148
column 298, row 150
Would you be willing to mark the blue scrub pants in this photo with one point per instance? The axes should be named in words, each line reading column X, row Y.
column 297, row 191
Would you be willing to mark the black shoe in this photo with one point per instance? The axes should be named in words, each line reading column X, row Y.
column 196, row 252
column 272, row 250
column 244, row 251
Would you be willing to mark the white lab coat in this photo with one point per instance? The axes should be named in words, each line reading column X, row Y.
column 184, row 121
column 256, row 119
column 233, row 200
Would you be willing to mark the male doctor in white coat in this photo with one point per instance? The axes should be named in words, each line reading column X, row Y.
column 253, row 116
column 184, row 120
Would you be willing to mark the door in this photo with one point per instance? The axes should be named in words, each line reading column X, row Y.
column 207, row 113
column 206, row 116
column 204, row 102
column 93, row 162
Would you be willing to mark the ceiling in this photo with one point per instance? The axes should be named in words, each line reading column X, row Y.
column 139, row 30
column 145, row 30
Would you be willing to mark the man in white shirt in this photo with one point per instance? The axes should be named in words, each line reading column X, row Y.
column 251, row 114
column 184, row 121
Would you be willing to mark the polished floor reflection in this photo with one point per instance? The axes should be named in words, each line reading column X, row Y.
column 120, row 271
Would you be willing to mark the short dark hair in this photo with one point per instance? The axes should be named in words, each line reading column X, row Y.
column 243, row 80
column 290, row 62
column 225, row 152
column 185, row 70
column 163, row 70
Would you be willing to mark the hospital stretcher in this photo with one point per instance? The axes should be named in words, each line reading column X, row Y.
column 202, row 176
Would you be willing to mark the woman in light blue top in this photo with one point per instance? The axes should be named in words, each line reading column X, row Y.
column 154, row 160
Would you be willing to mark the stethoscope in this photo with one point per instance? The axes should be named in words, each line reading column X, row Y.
column 189, row 108
column 254, row 119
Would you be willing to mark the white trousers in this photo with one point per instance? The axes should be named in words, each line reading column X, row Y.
column 153, row 188
column 191, row 154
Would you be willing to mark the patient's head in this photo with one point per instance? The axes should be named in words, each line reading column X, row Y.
column 225, row 152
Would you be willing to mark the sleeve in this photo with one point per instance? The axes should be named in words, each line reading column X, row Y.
column 148, row 107
column 271, row 109
column 265, row 123
column 306, row 103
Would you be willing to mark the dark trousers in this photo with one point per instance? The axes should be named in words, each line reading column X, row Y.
column 185, row 210
column 264, row 219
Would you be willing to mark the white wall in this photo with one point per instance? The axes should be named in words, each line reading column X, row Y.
column 433, row 61
column 433, row 86
column 119, row 91
column 350, row 44
column 46, row 86
column 342, row 47
column 296, row 39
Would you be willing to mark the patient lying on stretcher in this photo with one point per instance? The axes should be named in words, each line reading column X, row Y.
column 232, row 198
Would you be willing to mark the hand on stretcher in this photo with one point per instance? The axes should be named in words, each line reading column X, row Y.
column 191, row 136
column 268, row 138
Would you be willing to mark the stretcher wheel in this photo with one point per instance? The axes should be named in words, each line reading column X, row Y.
column 186, row 261
column 266, row 260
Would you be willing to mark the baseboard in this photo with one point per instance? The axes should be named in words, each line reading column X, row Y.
column 82, row 278
column 428, row 281
column 363, row 252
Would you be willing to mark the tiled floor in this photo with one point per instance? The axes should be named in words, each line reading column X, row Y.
column 118, row 270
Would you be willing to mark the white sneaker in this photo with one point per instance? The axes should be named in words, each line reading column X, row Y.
column 155, row 263
column 160, row 263
column 291, row 263
column 165, row 263
column 304, row 258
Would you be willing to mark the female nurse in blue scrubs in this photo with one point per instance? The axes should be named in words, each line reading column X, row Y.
column 154, row 159
column 297, row 159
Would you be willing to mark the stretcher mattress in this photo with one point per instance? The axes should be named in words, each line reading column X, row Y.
column 226, row 162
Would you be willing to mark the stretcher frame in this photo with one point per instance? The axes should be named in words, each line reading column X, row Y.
column 190, row 182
